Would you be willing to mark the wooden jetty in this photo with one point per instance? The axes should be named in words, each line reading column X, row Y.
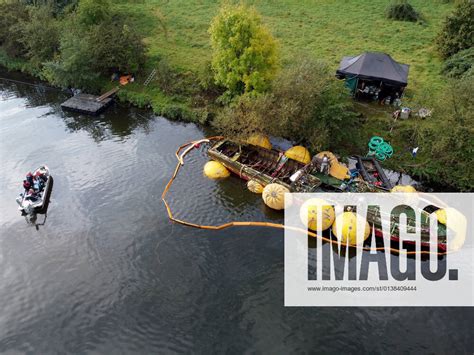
column 89, row 104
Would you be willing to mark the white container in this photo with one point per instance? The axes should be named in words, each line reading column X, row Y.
column 405, row 113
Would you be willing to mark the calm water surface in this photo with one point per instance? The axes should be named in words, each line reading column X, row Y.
column 108, row 272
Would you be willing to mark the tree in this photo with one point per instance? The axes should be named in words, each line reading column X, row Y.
column 12, row 15
column 115, row 45
column 40, row 35
column 246, row 116
column 94, row 47
column 245, row 54
column 458, row 30
column 93, row 12
column 74, row 66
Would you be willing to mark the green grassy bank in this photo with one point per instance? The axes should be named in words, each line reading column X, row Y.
column 326, row 29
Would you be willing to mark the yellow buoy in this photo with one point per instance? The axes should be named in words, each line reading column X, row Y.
column 260, row 140
column 408, row 192
column 274, row 196
column 254, row 186
column 313, row 206
column 348, row 228
column 299, row 153
column 457, row 223
column 215, row 170
column 441, row 215
column 403, row 188
column 339, row 171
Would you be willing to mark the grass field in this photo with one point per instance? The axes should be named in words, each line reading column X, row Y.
column 327, row 29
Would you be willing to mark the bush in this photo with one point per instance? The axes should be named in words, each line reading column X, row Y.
column 459, row 64
column 246, row 116
column 449, row 144
column 165, row 76
column 306, row 104
column 206, row 81
column 58, row 7
column 245, row 56
column 401, row 10
column 457, row 32
column 313, row 106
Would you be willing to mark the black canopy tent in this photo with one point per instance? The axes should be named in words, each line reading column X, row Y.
column 374, row 67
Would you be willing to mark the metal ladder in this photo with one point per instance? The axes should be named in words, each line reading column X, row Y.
column 150, row 77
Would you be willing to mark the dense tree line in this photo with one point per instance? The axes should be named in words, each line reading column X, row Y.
column 71, row 43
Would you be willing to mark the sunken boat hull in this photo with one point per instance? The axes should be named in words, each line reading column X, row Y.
column 265, row 166
column 255, row 163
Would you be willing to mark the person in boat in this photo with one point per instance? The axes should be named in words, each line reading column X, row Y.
column 38, row 185
column 32, row 195
column 29, row 178
column 39, row 181
column 26, row 185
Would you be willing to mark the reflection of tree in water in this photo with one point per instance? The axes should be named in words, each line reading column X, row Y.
column 116, row 121
column 34, row 92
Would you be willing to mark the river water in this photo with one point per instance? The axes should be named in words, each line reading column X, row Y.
column 108, row 272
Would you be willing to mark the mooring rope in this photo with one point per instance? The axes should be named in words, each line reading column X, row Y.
column 32, row 84
column 194, row 144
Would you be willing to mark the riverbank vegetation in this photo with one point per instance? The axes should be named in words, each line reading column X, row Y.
column 304, row 103
column 402, row 10
column 264, row 67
